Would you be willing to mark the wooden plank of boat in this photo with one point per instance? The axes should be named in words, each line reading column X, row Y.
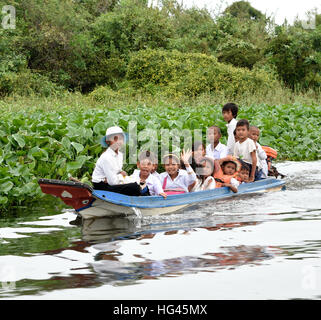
column 91, row 203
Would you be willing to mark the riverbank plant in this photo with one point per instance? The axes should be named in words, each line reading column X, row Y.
column 40, row 143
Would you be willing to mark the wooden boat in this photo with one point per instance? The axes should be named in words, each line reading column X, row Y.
column 91, row 203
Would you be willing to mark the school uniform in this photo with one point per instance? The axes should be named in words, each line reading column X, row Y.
column 108, row 166
column 230, row 136
column 107, row 176
column 208, row 184
column 152, row 182
column 242, row 151
column 219, row 152
column 154, row 174
column 182, row 181
column 261, row 156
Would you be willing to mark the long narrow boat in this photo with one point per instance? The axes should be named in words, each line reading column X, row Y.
column 91, row 203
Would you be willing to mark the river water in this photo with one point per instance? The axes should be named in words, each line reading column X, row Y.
column 264, row 246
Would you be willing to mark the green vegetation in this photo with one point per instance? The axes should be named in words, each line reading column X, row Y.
column 65, row 141
column 84, row 44
column 72, row 68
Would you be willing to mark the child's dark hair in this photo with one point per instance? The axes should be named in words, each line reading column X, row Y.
column 228, row 161
column 245, row 167
column 231, row 107
column 217, row 128
column 197, row 144
column 242, row 123
column 199, row 173
column 147, row 155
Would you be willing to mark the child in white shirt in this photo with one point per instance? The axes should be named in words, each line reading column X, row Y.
column 174, row 179
column 149, row 183
column 154, row 160
column 254, row 134
column 229, row 112
column 245, row 149
column 215, row 149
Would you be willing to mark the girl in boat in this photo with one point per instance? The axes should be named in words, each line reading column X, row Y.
column 198, row 152
column 205, row 180
column 108, row 173
column 175, row 180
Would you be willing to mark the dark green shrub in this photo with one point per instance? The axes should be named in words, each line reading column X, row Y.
column 296, row 56
column 238, row 53
column 28, row 83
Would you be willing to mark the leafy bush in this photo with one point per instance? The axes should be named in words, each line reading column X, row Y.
column 192, row 74
column 238, row 53
column 28, row 83
column 131, row 26
column 297, row 57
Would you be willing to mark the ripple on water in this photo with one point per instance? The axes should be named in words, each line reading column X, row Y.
column 254, row 246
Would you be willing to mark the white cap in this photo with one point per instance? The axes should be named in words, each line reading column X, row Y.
column 110, row 132
column 114, row 130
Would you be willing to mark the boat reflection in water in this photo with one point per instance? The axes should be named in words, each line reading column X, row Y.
column 99, row 230
column 126, row 254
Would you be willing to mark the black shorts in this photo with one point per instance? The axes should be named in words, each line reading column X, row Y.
column 129, row 189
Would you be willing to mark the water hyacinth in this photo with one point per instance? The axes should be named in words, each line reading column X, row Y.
column 57, row 144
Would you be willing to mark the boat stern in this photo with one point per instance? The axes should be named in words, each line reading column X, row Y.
column 74, row 194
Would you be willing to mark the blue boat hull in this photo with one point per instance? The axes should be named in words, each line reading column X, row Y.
column 187, row 198
column 111, row 204
column 91, row 203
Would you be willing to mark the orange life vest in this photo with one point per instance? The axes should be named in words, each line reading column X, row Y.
column 223, row 177
column 270, row 152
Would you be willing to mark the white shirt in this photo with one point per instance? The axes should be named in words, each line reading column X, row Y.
column 154, row 174
column 219, row 152
column 262, row 164
column 243, row 150
column 153, row 183
column 183, row 180
column 230, row 134
column 108, row 166
column 208, row 184
column 235, row 183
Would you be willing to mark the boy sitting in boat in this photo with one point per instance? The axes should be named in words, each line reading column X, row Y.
column 149, row 183
column 254, row 134
column 244, row 174
column 175, row 180
column 226, row 175
column 154, row 160
column 108, row 173
column 215, row 149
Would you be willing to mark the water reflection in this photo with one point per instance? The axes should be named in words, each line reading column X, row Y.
column 273, row 234
column 106, row 229
column 112, row 267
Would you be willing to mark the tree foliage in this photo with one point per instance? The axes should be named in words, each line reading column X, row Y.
column 83, row 44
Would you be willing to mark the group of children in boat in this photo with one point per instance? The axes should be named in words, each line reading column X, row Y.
column 217, row 165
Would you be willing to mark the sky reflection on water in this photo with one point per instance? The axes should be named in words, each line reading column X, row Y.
column 262, row 247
